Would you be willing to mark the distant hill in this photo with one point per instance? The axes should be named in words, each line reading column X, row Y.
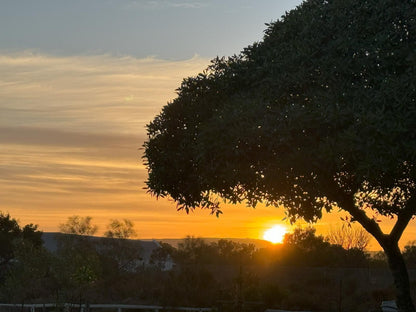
column 50, row 242
column 259, row 243
column 144, row 248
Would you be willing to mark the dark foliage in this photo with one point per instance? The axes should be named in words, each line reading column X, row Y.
column 12, row 237
column 409, row 254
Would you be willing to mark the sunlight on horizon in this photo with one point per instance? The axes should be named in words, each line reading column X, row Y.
column 276, row 234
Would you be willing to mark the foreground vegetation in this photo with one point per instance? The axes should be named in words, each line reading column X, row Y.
column 305, row 272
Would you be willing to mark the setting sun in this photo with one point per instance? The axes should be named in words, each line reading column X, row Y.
column 275, row 234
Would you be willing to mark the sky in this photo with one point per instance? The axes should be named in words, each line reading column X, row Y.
column 79, row 81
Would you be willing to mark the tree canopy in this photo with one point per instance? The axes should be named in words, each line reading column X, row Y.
column 78, row 225
column 120, row 229
column 304, row 247
column 324, row 105
column 318, row 115
column 13, row 237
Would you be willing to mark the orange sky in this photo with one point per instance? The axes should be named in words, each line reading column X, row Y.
column 70, row 139
column 77, row 87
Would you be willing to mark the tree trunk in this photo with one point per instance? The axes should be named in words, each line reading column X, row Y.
column 400, row 276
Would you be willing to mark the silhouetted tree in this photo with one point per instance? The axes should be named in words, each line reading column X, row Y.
column 234, row 253
column 305, row 238
column 78, row 259
column 319, row 115
column 120, row 229
column 125, row 253
column 193, row 250
column 409, row 254
column 349, row 236
column 304, row 248
column 78, row 225
column 12, row 236
column 30, row 277
column 77, row 268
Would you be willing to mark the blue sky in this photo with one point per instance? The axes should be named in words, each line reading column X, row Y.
column 175, row 29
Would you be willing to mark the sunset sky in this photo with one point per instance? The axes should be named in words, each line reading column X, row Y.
column 80, row 80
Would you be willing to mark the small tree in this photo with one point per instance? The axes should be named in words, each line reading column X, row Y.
column 193, row 250
column 409, row 253
column 29, row 276
column 160, row 256
column 318, row 116
column 349, row 237
column 127, row 254
column 12, row 236
column 78, row 225
column 305, row 238
column 303, row 247
column 120, row 229
column 78, row 262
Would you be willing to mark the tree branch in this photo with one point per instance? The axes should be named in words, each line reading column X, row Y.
column 361, row 217
column 403, row 219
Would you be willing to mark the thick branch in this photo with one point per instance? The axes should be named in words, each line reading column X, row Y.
column 371, row 226
column 403, row 219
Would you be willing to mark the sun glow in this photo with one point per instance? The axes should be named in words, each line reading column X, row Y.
column 275, row 234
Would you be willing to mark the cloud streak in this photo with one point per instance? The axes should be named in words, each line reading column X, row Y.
column 87, row 93
column 71, row 129
column 157, row 5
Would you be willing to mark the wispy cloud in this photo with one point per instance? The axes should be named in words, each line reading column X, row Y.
column 164, row 4
column 87, row 93
column 71, row 129
column 189, row 5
